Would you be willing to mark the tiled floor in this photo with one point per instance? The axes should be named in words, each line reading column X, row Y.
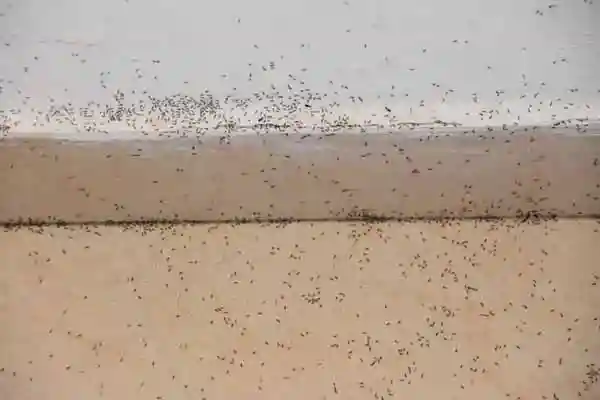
column 461, row 310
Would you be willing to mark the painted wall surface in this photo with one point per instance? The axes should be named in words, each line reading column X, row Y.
column 187, row 67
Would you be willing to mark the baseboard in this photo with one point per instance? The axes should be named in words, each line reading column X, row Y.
column 448, row 172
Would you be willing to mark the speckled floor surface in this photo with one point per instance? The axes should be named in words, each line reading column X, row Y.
column 463, row 310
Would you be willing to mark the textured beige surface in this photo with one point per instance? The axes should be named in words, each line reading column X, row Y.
column 464, row 310
column 414, row 174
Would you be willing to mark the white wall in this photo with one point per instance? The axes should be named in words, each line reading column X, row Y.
column 310, row 63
